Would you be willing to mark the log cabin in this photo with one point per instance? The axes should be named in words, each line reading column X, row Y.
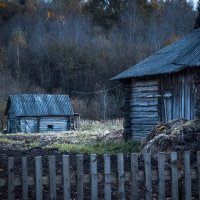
column 30, row 113
column 163, row 87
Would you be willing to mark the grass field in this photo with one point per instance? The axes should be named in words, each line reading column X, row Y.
column 91, row 137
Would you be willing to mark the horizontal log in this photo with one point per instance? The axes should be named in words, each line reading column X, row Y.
column 145, row 89
column 145, row 121
column 144, row 103
column 145, row 95
column 144, row 109
column 144, row 114
column 144, row 83
column 86, row 178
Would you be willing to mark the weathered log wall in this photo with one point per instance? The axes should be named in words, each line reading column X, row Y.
column 143, row 107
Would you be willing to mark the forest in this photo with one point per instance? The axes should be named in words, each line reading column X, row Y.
column 75, row 47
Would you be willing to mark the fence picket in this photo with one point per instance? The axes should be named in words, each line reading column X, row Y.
column 11, row 179
column 24, row 179
column 121, row 176
column 188, row 191
column 66, row 177
column 161, row 179
column 174, row 185
column 148, row 184
column 79, row 162
column 93, row 174
column 38, row 178
column 107, row 186
column 134, row 175
column 198, row 168
column 52, row 177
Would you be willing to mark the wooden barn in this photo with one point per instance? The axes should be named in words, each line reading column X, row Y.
column 163, row 87
column 30, row 113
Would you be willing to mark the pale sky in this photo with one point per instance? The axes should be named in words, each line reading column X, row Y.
column 195, row 3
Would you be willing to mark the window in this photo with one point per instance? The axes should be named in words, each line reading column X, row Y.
column 50, row 127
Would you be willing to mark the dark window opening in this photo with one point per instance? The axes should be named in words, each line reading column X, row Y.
column 50, row 127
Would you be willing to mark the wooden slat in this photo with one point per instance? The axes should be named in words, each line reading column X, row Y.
column 24, row 179
column 121, row 176
column 66, row 177
column 79, row 162
column 198, row 168
column 11, row 179
column 174, row 169
column 134, row 176
column 38, row 177
column 52, row 177
column 94, row 181
column 187, row 168
column 107, row 182
column 144, row 83
column 144, row 121
column 144, row 109
column 148, row 183
column 161, row 172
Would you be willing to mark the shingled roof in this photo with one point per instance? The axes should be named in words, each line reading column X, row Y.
column 39, row 105
column 180, row 55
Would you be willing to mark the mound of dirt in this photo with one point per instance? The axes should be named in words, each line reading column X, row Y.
column 178, row 135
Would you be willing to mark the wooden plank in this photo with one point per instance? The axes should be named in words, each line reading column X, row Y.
column 144, row 109
column 175, row 194
column 187, row 168
column 145, row 121
column 24, row 179
column 66, row 177
column 141, row 114
column 79, row 162
column 107, row 182
column 38, row 177
column 161, row 172
column 121, row 176
column 145, row 89
column 144, row 83
column 134, row 176
column 148, row 183
column 145, row 95
column 93, row 172
column 11, row 179
column 52, row 177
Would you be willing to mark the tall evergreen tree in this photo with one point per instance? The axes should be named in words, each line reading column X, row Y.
column 197, row 21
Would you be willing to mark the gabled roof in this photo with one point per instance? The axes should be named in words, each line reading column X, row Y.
column 39, row 105
column 182, row 54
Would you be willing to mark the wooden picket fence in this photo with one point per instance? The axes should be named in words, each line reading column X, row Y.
column 107, row 178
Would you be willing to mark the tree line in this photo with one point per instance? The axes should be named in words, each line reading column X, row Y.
column 74, row 45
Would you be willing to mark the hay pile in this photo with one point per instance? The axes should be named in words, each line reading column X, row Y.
column 177, row 135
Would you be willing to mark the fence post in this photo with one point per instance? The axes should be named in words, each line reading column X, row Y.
column 24, row 179
column 187, row 169
column 134, row 175
column 38, row 178
column 94, row 181
column 52, row 177
column 11, row 179
column 121, row 176
column 174, row 185
column 107, row 182
column 79, row 162
column 66, row 177
column 148, row 184
column 161, row 172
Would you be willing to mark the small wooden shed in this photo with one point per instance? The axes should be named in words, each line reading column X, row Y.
column 163, row 87
column 32, row 113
